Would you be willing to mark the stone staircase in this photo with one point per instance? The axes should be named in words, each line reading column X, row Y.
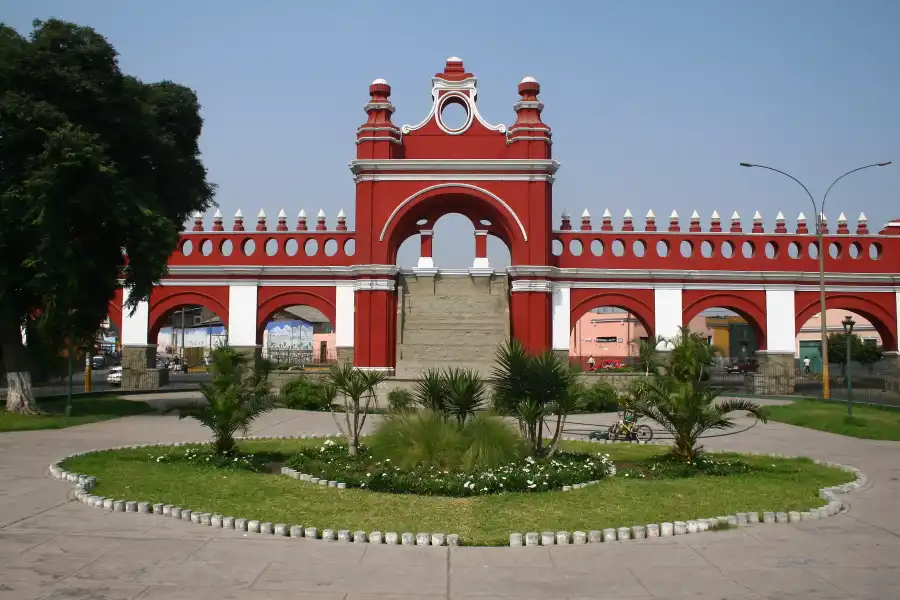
column 451, row 321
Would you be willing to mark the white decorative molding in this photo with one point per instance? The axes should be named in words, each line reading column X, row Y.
column 284, row 270
column 531, row 285
column 481, row 263
column 345, row 315
column 374, row 285
column 135, row 325
column 425, row 262
column 242, row 309
column 465, row 186
column 455, row 165
column 476, row 271
column 464, row 92
column 425, row 271
column 780, row 321
column 562, row 326
column 458, row 177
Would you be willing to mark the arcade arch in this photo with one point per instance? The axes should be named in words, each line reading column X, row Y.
column 610, row 334
column 186, row 333
column 454, row 241
column 735, row 324
column 867, row 326
column 297, row 335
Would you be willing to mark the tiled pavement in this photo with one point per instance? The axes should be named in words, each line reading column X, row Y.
column 54, row 549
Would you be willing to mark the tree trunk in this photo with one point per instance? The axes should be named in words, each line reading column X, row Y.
column 20, row 393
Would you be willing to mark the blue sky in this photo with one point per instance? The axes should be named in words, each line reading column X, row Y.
column 653, row 103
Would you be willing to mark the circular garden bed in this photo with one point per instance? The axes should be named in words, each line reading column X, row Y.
column 636, row 484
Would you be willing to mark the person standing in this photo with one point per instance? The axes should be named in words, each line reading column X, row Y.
column 591, row 362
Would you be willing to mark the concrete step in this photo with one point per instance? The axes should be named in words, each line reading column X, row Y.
column 457, row 337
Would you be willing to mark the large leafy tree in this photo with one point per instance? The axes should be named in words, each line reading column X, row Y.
column 95, row 165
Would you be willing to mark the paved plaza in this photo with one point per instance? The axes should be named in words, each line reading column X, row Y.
column 51, row 548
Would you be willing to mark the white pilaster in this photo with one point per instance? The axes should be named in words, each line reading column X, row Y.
column 242, row 308
column 562, row 326
column 667, row 311
column 135, row 325
column 425, row 262
column 481, row 263
column 780, row 319
column 345, row 309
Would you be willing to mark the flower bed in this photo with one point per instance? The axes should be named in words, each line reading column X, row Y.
column 330, row 461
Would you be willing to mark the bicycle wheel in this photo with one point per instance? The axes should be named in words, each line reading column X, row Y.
column 612, row 433
column 644, row 433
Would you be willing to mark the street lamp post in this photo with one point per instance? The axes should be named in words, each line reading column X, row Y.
column 820, row 242
column 848, row 324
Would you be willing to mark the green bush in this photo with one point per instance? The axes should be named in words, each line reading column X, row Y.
column 430, row 391
column 303, row 393
column 490, row 442
column 400, row 399
column 598, row 398
column 422, row 437
column 464, row 393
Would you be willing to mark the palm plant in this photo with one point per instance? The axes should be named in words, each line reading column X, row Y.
column 532, row 388
column 429, row 391
column 648, row 355
column 236, row 396
column 358, row 389
column 464, row 393
column 690, row 356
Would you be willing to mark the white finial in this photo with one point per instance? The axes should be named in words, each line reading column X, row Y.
column 627, row 214
column 735, row 216
column 321, row 214
column 341, row 214
column 695, row 215
column 862, row 217
column 650, row 214
column 281, row 214
column 757, row 216
column 528, row 80
column 198, row 215
column 454, row 59
column 261, row 215
column 607, row 214
column 565, row 213
column 779, row 216
column 585, row 214
column 302, row 214
column 380, row 81
column 238, row 214
column 842, row 218
column 674, row 215
column 715, row 215
column 801, row 217
column 218, row 214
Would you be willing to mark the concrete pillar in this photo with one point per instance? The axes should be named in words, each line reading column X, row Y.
column 426, row 237
column 530, row 313
column 667, row 312
column 344, row 321
column 776, row 374
column 561, row 302
column 892, row 372
column 138, row 353
column 481, row 259
column 375, row 337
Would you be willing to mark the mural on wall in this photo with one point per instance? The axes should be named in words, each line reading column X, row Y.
column 169, row 338
column 281, row 339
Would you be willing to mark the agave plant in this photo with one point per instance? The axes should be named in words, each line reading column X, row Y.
column 358, row 389
column 237, row 395
column 430, row 391
column 464, row 393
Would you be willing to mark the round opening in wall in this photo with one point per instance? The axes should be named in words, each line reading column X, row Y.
column 454, row 113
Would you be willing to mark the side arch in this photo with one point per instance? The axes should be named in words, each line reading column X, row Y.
column 637, row 302
column 882, row 318
column 749, row 305
column 321, row 300
column 162, row 302
column 114, row 309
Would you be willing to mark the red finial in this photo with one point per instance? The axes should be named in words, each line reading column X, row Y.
column 695, row 222
column 198, row 221
column 842, row 224
column 715, row 224
column 566, row 222
column 301, row 221
column 378, row 137
column 861, row 227
column 261, row 221
column 673, row 222
column 586, row 221
column 217, row 221
column 801, row 224
column 238, row 221
column 757, row 223
column 342, row 221
column 650, row 222
column 282, row 221
column 529, row 126
column 779, row 223
column 607, row 221
column 320, row 221
column 735, row 223
column 627, row 221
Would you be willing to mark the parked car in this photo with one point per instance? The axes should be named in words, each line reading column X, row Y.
column 99, row 362
column 115, row 376
column 744, row 366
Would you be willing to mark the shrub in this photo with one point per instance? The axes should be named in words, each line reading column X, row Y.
column 400, row 399
column 489, row 442
column 303, row 393
column 600, row 397
column 464, row 393
column 429, row 391
column 416, row 438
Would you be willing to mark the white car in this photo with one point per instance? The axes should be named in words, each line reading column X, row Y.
column 115, row 376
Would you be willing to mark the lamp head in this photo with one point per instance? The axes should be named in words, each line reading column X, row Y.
column 848, row 324
column 884, row 164
column 746, row 164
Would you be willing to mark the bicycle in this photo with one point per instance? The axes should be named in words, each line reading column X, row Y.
column 628, row 429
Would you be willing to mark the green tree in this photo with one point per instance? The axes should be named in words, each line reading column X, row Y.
column 95, row 165
column 837, row 350
column 868, row 354
column 358, row 390
column 238, row 394
column 648, row 355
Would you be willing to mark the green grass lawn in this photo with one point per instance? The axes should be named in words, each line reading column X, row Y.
column 487, row 520
column 868, row 422
column 85, row 409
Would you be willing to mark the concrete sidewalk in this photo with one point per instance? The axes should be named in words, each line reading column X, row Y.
column 54, row 549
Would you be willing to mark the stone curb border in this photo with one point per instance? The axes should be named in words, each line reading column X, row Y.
column 639, row 532
column 85, row 483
